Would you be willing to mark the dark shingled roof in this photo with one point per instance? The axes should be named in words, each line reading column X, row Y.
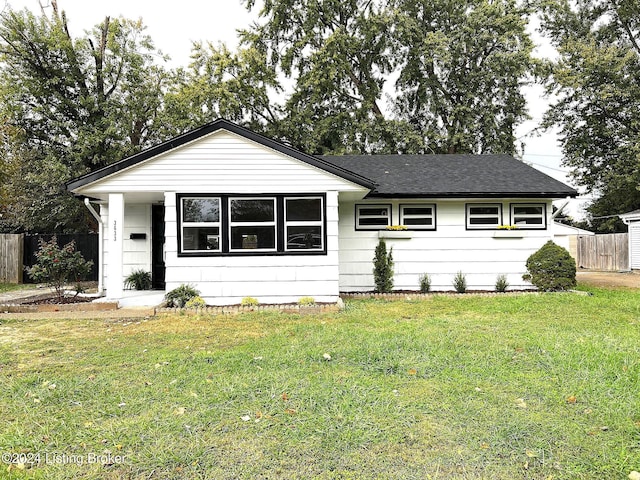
column 451, row 175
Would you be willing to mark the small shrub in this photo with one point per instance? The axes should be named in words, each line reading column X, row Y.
column 501, row 283
column 138, row 280
column 178, row 297
column 425, row 283
column 383, row 268
column 460, row 282
column 57, row 266
column 249, row 302
column 196, row 302
column 306, row 301
column 551, row 268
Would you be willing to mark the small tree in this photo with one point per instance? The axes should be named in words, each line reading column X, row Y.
column 460, row 282
column 551, row 268
column 57, row 266
column 425, row 283
column 383, row 268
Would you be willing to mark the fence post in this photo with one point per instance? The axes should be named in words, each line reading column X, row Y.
column 11, row 250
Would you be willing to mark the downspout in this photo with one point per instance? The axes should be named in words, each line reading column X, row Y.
column 100, row 245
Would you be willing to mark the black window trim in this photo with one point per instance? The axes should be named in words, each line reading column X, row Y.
column 372, row 228
column 430, row 228
column 526, row 204
column 482, row 204
column 225, row 225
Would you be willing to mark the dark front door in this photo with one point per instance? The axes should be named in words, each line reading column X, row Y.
column 157, row 247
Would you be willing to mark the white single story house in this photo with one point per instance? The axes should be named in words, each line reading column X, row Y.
column 236, row 214
column 632, row 219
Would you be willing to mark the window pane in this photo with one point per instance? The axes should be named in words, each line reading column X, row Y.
column 483, row 221
column 248, row 238
column 373, row 221
column 252, row 210
column 200, row 210
column 418, row 221
column 483, row 210
column 528, row 210
column 304, row 238
column 199, row 238
column 379, row 212
column 528, row 220
column 304, row 210
column 417, row 210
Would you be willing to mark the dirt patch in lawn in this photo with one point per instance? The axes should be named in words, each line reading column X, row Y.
column 610, row 279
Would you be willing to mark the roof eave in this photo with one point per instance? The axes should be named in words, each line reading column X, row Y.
column 554, row 195
column 220, row 124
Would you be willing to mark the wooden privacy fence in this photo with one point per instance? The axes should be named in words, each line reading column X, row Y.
column 608, row 252
column 86, row 244
column 11, row 248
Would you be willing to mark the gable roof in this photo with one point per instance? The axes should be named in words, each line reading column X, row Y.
column 212, row 127
column 452, row 175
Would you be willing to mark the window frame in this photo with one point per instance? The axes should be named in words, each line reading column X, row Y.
column 305, row 223
column 433, row 225
column 468, row 216
column 360, row 206
column 225, row 225
column 542, row 216
column 184, row 225
column 272, row 223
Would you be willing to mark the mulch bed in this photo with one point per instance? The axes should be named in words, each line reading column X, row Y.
column 48, row 299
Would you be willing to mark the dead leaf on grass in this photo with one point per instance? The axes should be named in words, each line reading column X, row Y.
column 520, row 403
column 412, row 371
column 285, row 397
column 572, row 399
column 290, row 411
column 179, row 411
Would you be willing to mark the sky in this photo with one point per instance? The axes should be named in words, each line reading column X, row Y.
column 174, row 26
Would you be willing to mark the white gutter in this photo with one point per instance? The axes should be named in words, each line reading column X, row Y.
column 100, row 245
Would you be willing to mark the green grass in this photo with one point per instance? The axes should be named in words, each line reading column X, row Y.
column 449, row 387
column 8, row 287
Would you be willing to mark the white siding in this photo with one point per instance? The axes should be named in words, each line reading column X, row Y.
column 106, row 234
column 221, row 163
column 634, row 245
column 226, row 280
column 136, row 254
column 440, row 253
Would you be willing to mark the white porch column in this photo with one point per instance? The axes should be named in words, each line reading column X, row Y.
column 115, row 231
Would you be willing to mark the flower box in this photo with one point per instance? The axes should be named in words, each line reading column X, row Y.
column 508, row 234
column 395, row 234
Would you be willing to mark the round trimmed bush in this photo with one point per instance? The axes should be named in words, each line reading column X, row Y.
column 551, row 268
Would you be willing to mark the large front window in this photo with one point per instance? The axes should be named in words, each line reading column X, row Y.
column 252, row 223
column 220, row 224
column 200, row 224
column 304, row 224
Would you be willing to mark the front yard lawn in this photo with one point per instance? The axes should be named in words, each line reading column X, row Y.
column 500, row 387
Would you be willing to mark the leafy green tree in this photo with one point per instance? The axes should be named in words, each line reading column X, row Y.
column 463, row 66
column 74, row 104
column 596, row 81
column 319, row 74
